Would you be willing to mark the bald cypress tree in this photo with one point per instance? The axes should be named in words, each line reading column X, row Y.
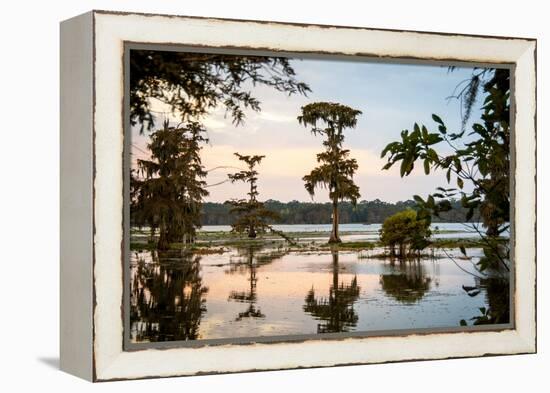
column 335, row 171
column 169, row 194
column 251, row 215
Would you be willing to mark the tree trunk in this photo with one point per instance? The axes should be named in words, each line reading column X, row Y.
column 335, row 268
column 492, row 229
column 252, row 232
column 251, row 229
column 189, row 235
column 334, row 238
column 401, row 250
column 163, row 243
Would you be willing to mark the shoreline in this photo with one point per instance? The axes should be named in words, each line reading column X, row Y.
column 305, row 242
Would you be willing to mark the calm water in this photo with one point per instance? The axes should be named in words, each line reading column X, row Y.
column 367, row 232
column 264, row 292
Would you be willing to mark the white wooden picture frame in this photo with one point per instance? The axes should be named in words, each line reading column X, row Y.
column 92, row 151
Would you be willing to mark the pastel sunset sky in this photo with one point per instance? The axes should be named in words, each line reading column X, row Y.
column 392, row 97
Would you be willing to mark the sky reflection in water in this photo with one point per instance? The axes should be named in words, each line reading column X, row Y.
column 252, row 292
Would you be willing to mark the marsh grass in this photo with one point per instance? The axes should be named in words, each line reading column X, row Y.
column 220, row 242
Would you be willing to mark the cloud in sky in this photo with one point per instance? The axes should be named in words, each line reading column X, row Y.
column 392, row 97
column 281, row 173
column 292, row 162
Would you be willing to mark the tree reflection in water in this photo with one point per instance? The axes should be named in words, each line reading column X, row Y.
column 409, row 284
column 337, row 310
column 497, row 297
column 167, row 297
column 494, row 281
column 248, row 260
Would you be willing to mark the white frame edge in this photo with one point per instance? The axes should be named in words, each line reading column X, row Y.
column 76, row 193
column 111, row 30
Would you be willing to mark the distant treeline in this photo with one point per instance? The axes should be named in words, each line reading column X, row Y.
column 295, row 212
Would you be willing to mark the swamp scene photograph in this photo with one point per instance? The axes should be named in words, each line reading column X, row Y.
column 277, row 196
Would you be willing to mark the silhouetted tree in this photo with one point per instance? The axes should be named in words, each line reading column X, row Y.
column 336, row 169
column 251, row 215
column 194, row 83
column 169, row 196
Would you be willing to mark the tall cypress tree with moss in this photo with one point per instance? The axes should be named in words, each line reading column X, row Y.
column 170, row 193
column 336, row 169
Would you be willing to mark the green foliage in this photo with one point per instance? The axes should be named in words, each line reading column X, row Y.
column 479, row 162
column 251, row 215
column 364, row 212
column 406, row 231
column 497, row 296
column 336, row 169
column 194, row 83
column 169, row 191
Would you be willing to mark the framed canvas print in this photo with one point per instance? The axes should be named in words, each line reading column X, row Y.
column 245, row 195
